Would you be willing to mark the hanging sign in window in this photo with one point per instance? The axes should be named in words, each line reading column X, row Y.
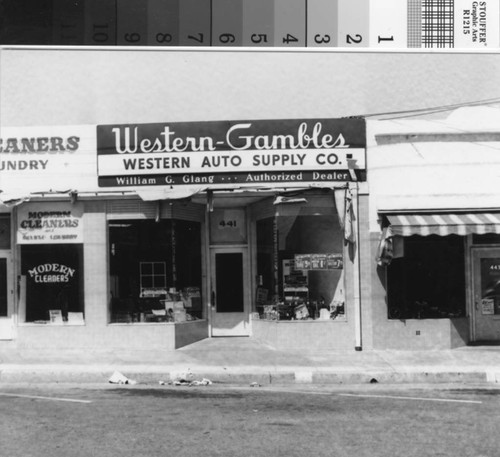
column 50, row 223
column 487, row 306
column 319, row 261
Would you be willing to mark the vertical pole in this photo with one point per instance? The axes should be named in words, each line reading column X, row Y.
column 174, row 255
column 470, row 286
column 276, row 258
column 356, row 273
column 208, row 264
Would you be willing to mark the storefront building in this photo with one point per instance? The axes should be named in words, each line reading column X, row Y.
column 277, row 230
column 435, row 230
column 159, row 235
column 151, row 198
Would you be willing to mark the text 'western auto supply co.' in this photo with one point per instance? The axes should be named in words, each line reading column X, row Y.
column 224, row 152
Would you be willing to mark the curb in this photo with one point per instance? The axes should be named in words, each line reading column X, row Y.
column 228, row 376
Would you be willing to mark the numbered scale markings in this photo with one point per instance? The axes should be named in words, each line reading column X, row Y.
column 253, row 23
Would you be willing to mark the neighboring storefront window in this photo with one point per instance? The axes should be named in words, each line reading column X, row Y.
column 3, row 287
column 300, row 262
column 50, row 235
column 426, row 278
column 5, row 243
column 54, row 283
column 155, row 270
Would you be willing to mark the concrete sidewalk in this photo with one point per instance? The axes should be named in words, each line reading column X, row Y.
column 246, row 361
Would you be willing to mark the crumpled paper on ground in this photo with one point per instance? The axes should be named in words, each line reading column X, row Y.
column 185, row 382
column 119, row 378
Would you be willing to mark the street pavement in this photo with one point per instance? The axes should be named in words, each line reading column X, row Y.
column 369, row 420
column 247, row 361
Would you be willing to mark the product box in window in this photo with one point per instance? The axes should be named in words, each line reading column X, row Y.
column 153, row 292
column 173, row 305
column 192, row 298
column 180, row 315
column 301, row 311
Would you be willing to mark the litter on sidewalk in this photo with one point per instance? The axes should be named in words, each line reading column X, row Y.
column 203, row 382
column 185, row 382
column 119, row 378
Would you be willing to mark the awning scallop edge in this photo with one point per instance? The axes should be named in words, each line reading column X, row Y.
column 444, row 224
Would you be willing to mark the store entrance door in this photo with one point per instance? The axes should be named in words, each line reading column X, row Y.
column 6, row 294
column 486, row 291
column 230, row 296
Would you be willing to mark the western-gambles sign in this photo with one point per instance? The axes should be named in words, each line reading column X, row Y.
column 241, row 152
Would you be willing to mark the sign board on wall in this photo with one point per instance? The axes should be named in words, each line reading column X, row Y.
column 86, row 158
column 47, row 159
column 230, row 152
column 50, row 223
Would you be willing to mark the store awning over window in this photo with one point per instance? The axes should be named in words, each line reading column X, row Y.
column 444, row 224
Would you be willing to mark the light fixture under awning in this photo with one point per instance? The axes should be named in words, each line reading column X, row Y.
column 444, row 224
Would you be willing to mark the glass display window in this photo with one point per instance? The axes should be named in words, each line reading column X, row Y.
column 155, row 270
column 300, row 261
column 426, row 277
column 54, row 283
column 3, row 287
column 5, row 237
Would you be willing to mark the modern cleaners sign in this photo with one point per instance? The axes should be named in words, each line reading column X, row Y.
column 50, row 223
column 230, row 152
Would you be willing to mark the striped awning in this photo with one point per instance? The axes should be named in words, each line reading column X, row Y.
column 444, row 224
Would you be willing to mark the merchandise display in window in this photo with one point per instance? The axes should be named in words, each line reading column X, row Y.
column 300, row 262
column 155, row 271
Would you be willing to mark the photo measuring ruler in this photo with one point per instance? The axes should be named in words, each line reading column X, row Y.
column 253, row 23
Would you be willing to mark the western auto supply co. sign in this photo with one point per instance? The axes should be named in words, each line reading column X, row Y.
column 230, row 152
